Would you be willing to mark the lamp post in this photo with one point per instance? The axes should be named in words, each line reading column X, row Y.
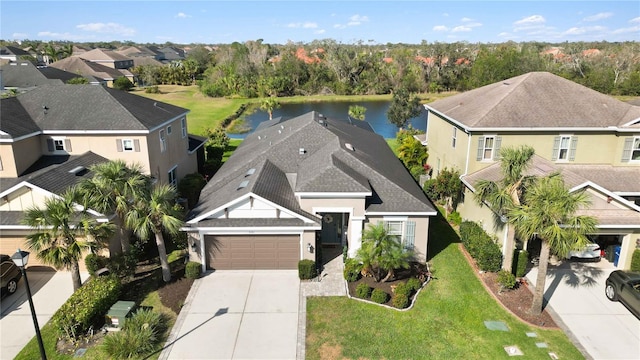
column 21, row 258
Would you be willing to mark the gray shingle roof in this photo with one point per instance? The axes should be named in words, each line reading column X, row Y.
column 536, row 100
column 15, row 120
column 309, row 153
column 624, row 179
column 86, row 68
column 24, row 75
column 93, row 108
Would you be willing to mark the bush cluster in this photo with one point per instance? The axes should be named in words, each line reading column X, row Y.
column 306, row 269
column 379, row 296
column 480, row 246
column 521, row 259
column 635, row 260
column 352, row 270
column 153, row 89
column 193, row 270
column 506, row 280
column 95, row 262
column 363, row 291
column 86, row 307
column 190, row 187
column 414, row 284
column 139, row 336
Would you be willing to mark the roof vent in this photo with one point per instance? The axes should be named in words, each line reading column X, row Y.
column 78, row 170
column 259, row 137
column 349, row 146
column 282, row 127
column 243, row 184
column 302, row 151
column 250, row 172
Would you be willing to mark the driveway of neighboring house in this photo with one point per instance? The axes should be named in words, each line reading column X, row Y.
column 49, row 290
column 238, row 314
column 604, row 329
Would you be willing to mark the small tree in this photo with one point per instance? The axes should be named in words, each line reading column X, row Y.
column 381, row 251
column 78, row 81
column 122, row 83
column 357, row 112
column 403, row 107
column 269, row 104
column 448, row 188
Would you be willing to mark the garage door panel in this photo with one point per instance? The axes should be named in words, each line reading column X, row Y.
column 252, row 252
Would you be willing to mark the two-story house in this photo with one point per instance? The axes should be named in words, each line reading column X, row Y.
column 64, row 122
column 591, row 138
column 296, row 186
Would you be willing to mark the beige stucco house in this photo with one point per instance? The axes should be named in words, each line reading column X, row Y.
column 51, row 135
column 592, row 138
column 305, row 184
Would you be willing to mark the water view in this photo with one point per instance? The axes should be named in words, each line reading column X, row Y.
column 376, row 115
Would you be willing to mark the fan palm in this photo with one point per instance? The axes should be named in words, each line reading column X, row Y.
column 381, row 251
column 269, row 104
column 63, row 231
column 549, row 213
column 357, row 112
column 154, row 214
column 412, row 152
column 503, row 195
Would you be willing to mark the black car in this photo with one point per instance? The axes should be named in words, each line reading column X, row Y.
column 624, row 286
column 10, row 274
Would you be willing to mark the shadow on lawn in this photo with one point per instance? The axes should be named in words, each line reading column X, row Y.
column 441, row 235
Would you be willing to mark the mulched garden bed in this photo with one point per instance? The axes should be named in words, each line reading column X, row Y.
column 173, row 294
column 401, row 277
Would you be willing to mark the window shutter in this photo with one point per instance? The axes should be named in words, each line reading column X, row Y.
column 496, row 148
column 480, row 148
column 51, row 148
column 409, row 234
column 556, row 148
column 67, row 145
column 572, row 149
column 136, row 145
column 626, row 152
column 119, row 145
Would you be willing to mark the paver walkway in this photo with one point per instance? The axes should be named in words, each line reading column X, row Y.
column 329, row 283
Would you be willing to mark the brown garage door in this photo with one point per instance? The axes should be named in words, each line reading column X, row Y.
column 9, row 245
column 239, row 252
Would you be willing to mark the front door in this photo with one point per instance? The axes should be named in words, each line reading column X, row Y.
column 332, row 228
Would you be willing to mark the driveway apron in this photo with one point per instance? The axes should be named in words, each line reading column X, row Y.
column 238, row 314
column 604, row 329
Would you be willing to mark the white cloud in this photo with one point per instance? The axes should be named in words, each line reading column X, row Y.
column 357, row 20
column 530, row 20
column 61, row 36
column 305, row 25
column 598, row 16
column 321, row 31
column 339, row 26
column 583, row 30
column 182, row 15
column 504, row 34
column 440, row 28
column 635, row 20
column 633, row 29
column 466, row 19
column 107, row 28
column 461, row 28
column 19, row 35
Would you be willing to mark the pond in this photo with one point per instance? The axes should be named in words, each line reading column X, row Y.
column 376, row 115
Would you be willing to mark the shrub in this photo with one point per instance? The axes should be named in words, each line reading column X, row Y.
column 635, row 260
column 176, row 255
column 140, row 336
column 402, row 289
column 521, row 259
column 86, row 307
column 123, row 265
column 190, row 187
column 400, row 301
column 455, row 218
column 379, row 296
column 306, row 269
column 490, row 257
column 147, row 318
column 506, row 279
column 78, row 81
column 95, row 262
column 363, row 291
column 352, row 270
column 414, row 284
column 122, row 83
column 480, row 246
column 154, row 89
column 193, row 270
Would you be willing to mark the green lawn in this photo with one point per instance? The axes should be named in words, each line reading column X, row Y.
column 447, row 321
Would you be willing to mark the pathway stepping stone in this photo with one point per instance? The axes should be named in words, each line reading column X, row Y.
column 513, row 350
column 542, row 345
column 532, row 334
column 496, row 325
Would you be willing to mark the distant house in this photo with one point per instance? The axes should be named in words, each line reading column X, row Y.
column 87, row 68
column 295, row 187
column 23, row 76
column 12, row 53
column 592, row 138
column 108, row 58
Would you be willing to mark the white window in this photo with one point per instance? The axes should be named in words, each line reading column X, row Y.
column 403, row 230
column 169, row 130
column 635, row 149
column 127, row 145
column 183, row 123
column 564, row 148
column 487, row 148
column 163, row 141
column 563, row 151
column 58, row 145
column 455, row 133
column 173, row 180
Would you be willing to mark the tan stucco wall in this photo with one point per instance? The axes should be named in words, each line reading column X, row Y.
column 356, row 204
column 470, row 210
column 18, row 156
column 308, row 237
column 440, row 145
column 175, row 154
column 22, row 199
column 421, row 233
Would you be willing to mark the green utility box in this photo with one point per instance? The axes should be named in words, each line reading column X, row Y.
column 118, row 313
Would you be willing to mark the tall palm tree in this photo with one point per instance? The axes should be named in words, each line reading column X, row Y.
column 63, row 231
column 269, row 104
column 548, row 212
column 155, row 214
column 357, row 112
column 503, row 195
column 114, row 189
column 51, row 52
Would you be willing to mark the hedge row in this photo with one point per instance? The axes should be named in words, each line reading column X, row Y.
column 481, row 246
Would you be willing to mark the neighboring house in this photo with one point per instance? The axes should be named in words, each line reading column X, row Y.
column 108, row 58
column 168, row 54
column 139, row 52
column 300, row 185
column 591, row 137
column 49, row 176
column 13, row 53
column 23, row 76
column 74, row 119
column 87, row 68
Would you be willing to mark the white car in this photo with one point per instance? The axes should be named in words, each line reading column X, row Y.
column 589, row 252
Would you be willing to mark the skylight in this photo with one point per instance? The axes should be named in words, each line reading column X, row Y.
column 243, row 184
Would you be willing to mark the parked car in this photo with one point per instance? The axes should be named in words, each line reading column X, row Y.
column 590, row 252
column 9, row 273
column 624, row 286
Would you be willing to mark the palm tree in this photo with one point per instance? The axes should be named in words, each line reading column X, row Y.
column 114, row 189
column 549, row 213
column 381, row 251
column 63, row 231
column 412, row 152
column 155, row 214
column 503, row 195
column 65, row 51
column 51, row 52
column 269, row 104
column 357, row 112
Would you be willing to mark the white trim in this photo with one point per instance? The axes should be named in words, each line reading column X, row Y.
column 332, row 195
column 124, row 148
column 324, row 209
column 493, row 147
column 466, row 165
column 620, row 199
column 98, row 132
column 632, row 122
column 168, row 121
column 621, row 227
column 20, row 137
column 626, row 193
column 278, row 230
column 568, row 148
column 377, row 213
column 395, row 218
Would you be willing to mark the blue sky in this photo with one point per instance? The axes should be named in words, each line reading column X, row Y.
column 376, row 22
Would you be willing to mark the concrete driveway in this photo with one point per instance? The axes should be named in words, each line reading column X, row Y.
column 49, row 290
column 250, row 314
column 575, row 291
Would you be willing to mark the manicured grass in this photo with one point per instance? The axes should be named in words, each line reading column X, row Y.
column 447, row 321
